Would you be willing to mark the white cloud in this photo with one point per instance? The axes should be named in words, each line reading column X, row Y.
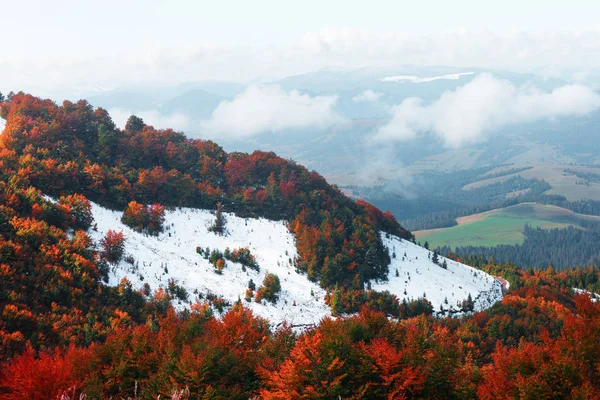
column 519, row 49
column 367, row 96
column 175, row 121
column 173, row 62
column 268, row 108
column 469, row 113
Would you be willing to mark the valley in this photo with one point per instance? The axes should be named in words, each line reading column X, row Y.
column 502, row 226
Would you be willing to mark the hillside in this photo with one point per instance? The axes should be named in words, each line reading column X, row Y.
column 503, row 226
column 571, row 181
column 172, row 256
column 74, row 148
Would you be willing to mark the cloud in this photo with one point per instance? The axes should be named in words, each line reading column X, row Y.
column 31, row 65
column 471, row 112
column 268, row 108
column 518, row 49
column 2, row 124
column 176, row 121
column 367, row 96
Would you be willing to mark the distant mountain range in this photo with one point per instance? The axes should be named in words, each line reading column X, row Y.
column 345, row 153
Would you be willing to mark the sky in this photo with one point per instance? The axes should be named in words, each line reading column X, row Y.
column 74, row 48
column 111, row 43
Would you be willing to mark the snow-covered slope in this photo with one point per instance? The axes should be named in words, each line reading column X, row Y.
column 172, row 255
column 418, row 276
column 174, row 250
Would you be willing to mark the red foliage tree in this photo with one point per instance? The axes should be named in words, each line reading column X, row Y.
column 144, row 219
column 51, row 375
column 113, row 246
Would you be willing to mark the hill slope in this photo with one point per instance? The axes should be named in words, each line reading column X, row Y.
column 502, row 226
column 328, row 240
column 172, row 256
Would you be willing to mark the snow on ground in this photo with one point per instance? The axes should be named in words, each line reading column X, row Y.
column 417, row 79
column 270, row 242
column 419, row 276
column 172, row 254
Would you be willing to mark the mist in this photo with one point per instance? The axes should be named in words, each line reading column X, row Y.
column 472, row 112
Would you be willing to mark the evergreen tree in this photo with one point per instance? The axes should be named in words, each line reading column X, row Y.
column 134, row 124
column 470, row 303
column 219, row 225
column 435, row 258
column 336, row 301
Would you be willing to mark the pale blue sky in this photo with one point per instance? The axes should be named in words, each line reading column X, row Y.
column 104, row 41
column 227, row 22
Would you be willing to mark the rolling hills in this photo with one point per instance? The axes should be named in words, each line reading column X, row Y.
column 502, row 226
column 574, row 182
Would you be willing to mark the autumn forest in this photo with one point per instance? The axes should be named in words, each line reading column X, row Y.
column 65, row 333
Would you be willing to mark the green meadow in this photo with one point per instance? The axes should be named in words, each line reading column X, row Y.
column 503, row 226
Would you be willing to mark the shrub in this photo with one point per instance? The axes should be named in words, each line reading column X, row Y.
column 242, row 256
column 113, row 246
column 270, row 288
column 144, row 219
column 79, row 210
column 219, row 265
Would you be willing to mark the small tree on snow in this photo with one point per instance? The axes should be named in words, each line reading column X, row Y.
column 435, row 258
column 270, row 288
column 219, row 226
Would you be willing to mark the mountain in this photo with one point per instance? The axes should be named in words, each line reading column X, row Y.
column 197, row 104
column 125, row 265
column 324, row 237
column 132, row 101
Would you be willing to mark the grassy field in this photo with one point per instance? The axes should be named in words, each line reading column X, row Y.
column 562, row 182
column 503, row 226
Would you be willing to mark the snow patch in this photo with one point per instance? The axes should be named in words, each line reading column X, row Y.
column 418, row 275
column 270, row 242
column 417, row 79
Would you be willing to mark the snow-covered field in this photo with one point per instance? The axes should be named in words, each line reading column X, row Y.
column 174, row 250
column 417, row 79
column 419, row 276
column 172, row 254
